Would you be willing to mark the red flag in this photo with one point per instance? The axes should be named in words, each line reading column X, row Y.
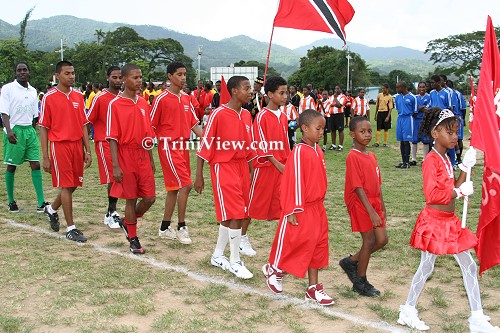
column 486, row 136
column 472, row 101
column 224, row 93
column 329, row 16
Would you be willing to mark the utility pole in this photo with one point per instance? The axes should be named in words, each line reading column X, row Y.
column 348, row 71
column 200, row 47
column 61, row 51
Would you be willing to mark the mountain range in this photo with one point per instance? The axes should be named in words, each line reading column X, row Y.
column 45, row 34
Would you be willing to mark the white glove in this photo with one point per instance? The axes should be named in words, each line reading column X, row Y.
column 466, row 188
column 469, row 159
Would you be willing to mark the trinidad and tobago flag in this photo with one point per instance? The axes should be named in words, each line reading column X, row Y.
column 329, row 16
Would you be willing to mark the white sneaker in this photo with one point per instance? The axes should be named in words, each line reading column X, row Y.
column 482, row 325
column 408, row 316
column 239, row 269
column 220, row 262
column 113, row 220
column 274, row 278
column 245, row 247
column 168, row 234
column 183, row 236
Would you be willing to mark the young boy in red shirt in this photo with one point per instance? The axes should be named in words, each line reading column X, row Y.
column 173, row 118
column 301, row 242
column 227, row 147
column 97, row 116
column 270, row 134
column 365, row 205
column 63, row 122
column 130, row 137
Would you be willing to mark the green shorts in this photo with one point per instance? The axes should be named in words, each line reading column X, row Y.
column 27, row 147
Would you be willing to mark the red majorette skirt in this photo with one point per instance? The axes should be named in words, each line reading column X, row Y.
column 441, row 232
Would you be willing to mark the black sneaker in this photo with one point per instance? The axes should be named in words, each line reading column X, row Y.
column 54, row 219
column 405, row 166
column 13, row 207
column 400, row 165
column 76, row 235
column 364, row 288
column 340, row 148
column 376, row 145
column 413, row 163
column 332, row 147
column 124, row 228
column 350, row 267
column 135, row 246
column 385, row 145
column 41, row 209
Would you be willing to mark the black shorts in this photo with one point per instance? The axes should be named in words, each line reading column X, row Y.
column 336, row 122
column 381, row 123
column 347, row 111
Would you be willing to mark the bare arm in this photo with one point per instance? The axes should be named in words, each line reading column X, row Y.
column 117, row 170
column 44, row 142
column 276, row 163
column 199, row 182
column 87, row 154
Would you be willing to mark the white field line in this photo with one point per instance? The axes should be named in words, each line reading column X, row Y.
column 380, row 325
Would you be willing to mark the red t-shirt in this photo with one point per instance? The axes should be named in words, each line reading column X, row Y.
column 173, row 117
column 304, row 179
column 268, row 130
column 362, row 171
column 63, row 115
column 438, row 183
column 227, row 136
column 98, row 113
column 128, row 121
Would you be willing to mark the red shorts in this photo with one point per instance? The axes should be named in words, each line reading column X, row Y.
column 299, row 247
column 67, row 163
column 231, row 185
column 360, row 220
column 175, row 165
column 265, row 194
column 138, row 178
column 441, row 232
column 104, row 162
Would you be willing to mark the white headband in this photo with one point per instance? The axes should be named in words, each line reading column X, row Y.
column 444, row 114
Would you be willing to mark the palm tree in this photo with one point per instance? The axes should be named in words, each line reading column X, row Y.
column 100, row 35
column 22, row 28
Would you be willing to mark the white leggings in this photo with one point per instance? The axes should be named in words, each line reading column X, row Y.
column 469, row 274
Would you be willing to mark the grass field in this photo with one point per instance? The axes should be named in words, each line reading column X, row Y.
column 50, row 284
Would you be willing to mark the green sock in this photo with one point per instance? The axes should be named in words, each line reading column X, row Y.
column 9, row 183
column 36, row 177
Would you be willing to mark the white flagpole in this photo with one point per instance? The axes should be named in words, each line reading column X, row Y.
column 466, row 198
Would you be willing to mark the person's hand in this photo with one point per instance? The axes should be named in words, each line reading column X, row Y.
column 387, row 119
column 280, row 167
column 88, row 159
column 199, row 184
column 376, row 220
column 465, row 189
column 469, row 159
column 292, row 219
column 46, row 165
column 117, row 174
column 12, row 137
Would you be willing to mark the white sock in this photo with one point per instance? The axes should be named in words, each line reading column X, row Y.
column 413, row 151
column 221, row 241
column 477, row 314
column 71, row 227
column 50, row 209
column 234, row 245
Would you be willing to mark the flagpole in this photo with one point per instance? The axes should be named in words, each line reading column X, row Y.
column 268, row 54
column 466, row 200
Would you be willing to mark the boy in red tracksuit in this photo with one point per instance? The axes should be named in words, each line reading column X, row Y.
column 270, row 135
column 130, row 137
column 301, row 242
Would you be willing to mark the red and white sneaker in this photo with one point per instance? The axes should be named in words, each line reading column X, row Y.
column 274, row 278
column 317, row 293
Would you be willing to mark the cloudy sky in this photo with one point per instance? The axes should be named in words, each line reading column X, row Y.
column 407, row 23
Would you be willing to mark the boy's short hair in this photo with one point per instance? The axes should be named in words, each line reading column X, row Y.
column 385, row 85
column 436, row 78
column 362, row 89
column 355, row 121
column 235, row 82
column 21, row 63
column 61, row 64
column 273, row 83
column 172, row 67
column 127, row 68
column 307, row 116
column 111, row 69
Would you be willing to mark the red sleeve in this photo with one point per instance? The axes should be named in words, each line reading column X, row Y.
column 292, row 183
column 45, row 118
column 436, row 191
column 112, row 124
column 83, row 115
column 193, row 119
column 155, row 114
column 259, row 130
column 378, row 168
column 206, row 148
column 353, row 171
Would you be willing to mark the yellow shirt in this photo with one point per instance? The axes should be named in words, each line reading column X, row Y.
column 384, row 102
column 89, row 100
